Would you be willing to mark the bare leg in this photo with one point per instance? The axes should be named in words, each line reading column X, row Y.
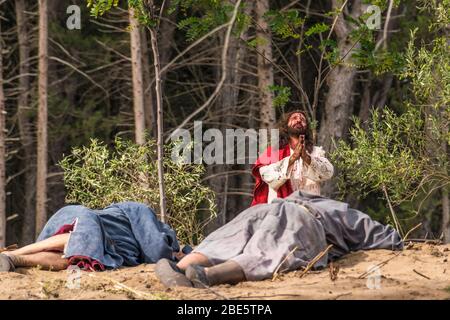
column 193, row 258
column 47, row 260
column 54, row 243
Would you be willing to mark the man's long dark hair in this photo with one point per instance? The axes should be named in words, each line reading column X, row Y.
column 284, row 130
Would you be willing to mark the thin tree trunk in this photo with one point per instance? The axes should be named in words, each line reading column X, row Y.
column 26, row 139
column 445, row 215
column 2, row 153
column 42, row 147
column 229, row 104
column 149, row 106
column 166, row 39
column 226, row 105
column 445, row 196
column 159, row 110
column 138, row 84
column 265, row 69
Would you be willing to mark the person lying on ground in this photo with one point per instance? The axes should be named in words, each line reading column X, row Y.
column 284, row 235
column 295, row 165
column 123, row 234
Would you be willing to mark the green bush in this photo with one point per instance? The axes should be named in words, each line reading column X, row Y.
column 96, row 176
column 383, row 156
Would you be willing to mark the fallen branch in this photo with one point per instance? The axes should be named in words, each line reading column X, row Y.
column 422, row 275
column 381, row 264
column 124, row 287
column 275, row 274
column 408, row 233
column 314, row 261
column 268, row 296
column 211, row 290
column 426, row 241
column 342, row 295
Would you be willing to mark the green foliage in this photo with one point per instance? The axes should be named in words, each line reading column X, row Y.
column 331, row 50
column 406, row 154
column 384, row 156
column 285, row 23
column 367, row 57
column 100, row 7
column 96, row 176
column 282, row 95
column 317, row 28
column 428, row 68
column 256, row 41
column 205, row 15
column 142, row 13
column 440, row 10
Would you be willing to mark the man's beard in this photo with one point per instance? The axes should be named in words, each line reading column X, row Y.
column 295, row 132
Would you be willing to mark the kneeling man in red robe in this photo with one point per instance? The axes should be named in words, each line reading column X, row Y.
column 296, row 165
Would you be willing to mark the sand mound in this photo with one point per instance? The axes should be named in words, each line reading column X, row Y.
column 422, row 271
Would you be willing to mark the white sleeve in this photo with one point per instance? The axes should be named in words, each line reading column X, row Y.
column 275, row 174
column 320, row 169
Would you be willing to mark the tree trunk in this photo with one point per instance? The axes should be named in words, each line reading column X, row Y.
column 265, row 68
column 2, row 153
column 165, row 42
column 445, row 215
column 338, row 103
column 159, row 110
column 376, row 89
column 138, row 85
column 149, row 106
column 26, row 139
column 226, row 105
column 41, row 178
column 445, row 199
column 341, row 81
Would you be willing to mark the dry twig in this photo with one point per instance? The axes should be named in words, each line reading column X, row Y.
column 124, row 287
column 275, row 274
column 314, row 261
column 422, row 275
column 334, row 270
column 409, row 232
column 219, row 295
column 381, row 264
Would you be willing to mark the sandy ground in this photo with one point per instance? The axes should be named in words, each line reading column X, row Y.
column 422, row 271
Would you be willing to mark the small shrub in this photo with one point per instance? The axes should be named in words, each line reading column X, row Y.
column 96, row 176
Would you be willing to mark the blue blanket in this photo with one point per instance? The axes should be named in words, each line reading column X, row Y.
column 123, row 234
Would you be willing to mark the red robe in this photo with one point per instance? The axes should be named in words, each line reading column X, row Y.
column 261, row 191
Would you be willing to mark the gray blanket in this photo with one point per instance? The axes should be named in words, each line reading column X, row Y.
column 262, row 236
